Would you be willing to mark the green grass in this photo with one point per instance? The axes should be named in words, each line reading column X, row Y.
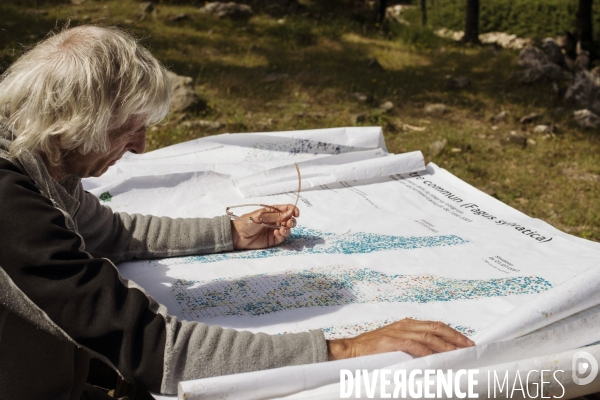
column 325, row 56
column 525, row 18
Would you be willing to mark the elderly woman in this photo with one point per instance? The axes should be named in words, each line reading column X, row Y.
column 69, row 109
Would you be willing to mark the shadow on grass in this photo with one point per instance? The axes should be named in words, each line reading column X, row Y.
column 342, row 67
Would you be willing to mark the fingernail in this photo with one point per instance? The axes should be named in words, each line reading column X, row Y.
column 472, row 343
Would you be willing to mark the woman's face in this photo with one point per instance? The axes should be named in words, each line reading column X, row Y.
column 129, row 137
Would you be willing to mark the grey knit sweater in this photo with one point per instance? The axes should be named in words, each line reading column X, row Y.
column 63, row 301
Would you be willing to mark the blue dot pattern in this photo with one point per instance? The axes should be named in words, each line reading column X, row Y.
column 311, row 241
column 262, row 294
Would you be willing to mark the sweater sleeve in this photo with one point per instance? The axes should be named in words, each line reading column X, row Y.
column 114, row 318
column 121, row 236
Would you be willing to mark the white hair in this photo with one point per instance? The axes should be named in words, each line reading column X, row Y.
column 77, row 85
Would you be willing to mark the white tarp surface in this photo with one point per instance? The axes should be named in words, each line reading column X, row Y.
column 380, row 238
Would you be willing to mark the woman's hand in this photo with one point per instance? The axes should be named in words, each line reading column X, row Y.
column 248, row 235
column 417, row 338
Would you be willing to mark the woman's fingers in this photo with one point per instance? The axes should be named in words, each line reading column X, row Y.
column 280, row 220
column 288, row 210
column 282, row 215
column 439, row 329
column 418, row 338
column 290, row 223
column 282, row 233
column 431, row 341
column 278, row 236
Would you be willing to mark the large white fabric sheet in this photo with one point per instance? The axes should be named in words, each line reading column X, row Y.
column 380, row 238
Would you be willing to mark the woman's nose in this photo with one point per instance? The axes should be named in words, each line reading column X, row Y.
column 137, row 145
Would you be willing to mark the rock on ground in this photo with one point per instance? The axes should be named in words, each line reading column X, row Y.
column 436, row 148
column 505, row 40
column 538, row 66
column 584, row 91
column 530, row 118
column 501, row 116
column 363, row 97
column 184, row 98
column 435, row 109
column 501, row 39
column 145, row 10
column 587, row 119
column 394, row 13
column 386, row 106
column 553, row 51
column 231, row 10
column 450, row 34
column 408, row 127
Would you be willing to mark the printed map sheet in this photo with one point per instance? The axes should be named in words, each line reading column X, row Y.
column 397, row 240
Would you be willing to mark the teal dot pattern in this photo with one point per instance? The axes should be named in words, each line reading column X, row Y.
column 262, row 294
column 312, row 241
